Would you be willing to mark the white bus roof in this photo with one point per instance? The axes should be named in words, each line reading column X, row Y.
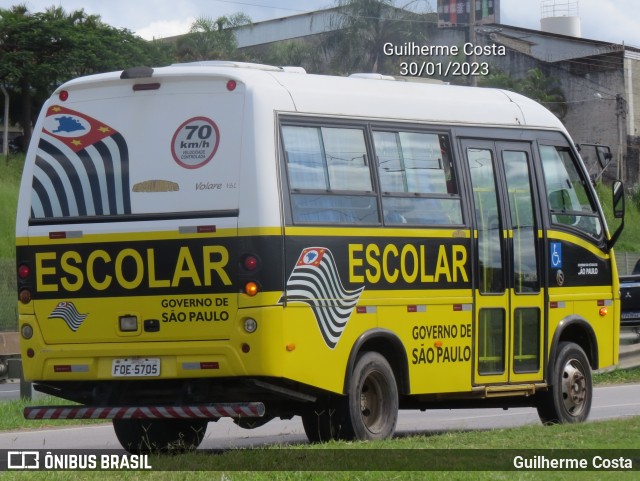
column 370, row 96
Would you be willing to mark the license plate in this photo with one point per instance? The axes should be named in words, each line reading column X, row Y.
column 630, row 315
column 136, row 367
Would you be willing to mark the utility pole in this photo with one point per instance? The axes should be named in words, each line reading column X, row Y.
column 621, row 114
column 473, row 81
column 5, row 134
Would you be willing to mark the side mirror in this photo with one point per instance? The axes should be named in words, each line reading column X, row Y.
column 598, row 157
column 604, row 155
column 618, row 200
column 618, row 211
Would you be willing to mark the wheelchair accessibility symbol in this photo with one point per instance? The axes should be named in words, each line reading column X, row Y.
column 556, row 255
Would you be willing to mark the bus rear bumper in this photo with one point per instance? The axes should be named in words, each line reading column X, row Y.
column 210, row 411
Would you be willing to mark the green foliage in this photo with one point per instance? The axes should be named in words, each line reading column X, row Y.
column 11, row 417
column 210, row 39
column 296, row 462
column 10, row 174
column 360, row 28
column 536, row 85
column 628, row 241
column 634, row 194
column 617, row 376
column 294, row 53
column 44, row 49
column 500, row 80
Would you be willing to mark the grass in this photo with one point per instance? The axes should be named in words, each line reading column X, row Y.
column 10, row 174
column 594, row 435
column 617, row 376
column 11, row 418
column 404, row 458
column 628, row 241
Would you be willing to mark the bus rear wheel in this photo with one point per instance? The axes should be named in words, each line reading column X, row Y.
column 324, row 422
column 159, row 435
column 569, row 398
column 372, row 400
column 368, row 412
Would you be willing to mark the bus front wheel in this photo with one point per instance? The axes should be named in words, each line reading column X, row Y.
column 569, row 397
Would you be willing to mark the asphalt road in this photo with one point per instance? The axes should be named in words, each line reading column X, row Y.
column 9, row 390
column 609, row 402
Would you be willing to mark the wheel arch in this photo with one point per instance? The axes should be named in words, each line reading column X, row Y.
column 389, row 345
column 577, row 330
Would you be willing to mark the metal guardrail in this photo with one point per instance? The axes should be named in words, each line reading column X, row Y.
column 11, row 364
column 626, row 261
column 629, row 347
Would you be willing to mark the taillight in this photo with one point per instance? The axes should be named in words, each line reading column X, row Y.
column 63, row 95
column 24, row 271
column 250, row 263
column 24, row 274
column 249, row 274
column 25, row 296
column 251, row 288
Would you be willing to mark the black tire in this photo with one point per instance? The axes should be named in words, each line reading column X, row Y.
column 369, row 411
column 324, row 422
column 569, row 397
column 159, row 435
column 372, row 401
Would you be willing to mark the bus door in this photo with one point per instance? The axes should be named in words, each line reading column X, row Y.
column 509, row 299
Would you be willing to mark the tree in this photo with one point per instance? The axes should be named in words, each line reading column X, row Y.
column 360, row 28
column 25, row 45
column 41, row 50
column 210, row 39
column 536, row 85
column 294, row 53
column 498, row 79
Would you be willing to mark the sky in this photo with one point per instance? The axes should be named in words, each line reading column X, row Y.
column 615, row 21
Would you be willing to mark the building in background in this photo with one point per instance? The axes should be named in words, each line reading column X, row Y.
column 457, row 12
column 600, row 80
column 560, row 16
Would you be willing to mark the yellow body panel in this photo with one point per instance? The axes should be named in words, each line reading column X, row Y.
column 437, row 327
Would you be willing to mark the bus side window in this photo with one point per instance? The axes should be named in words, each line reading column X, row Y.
column 487, row 213
column 570, row 202
column 304, row 158
column 417, row 179
column 329, row 175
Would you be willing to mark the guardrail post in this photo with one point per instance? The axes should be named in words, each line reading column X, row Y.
column 15, row 372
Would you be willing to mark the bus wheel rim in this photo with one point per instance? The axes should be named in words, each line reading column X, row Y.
column 371, row 402
column 574, row 388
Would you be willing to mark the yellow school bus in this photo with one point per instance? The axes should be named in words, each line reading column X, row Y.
column 226, row 239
